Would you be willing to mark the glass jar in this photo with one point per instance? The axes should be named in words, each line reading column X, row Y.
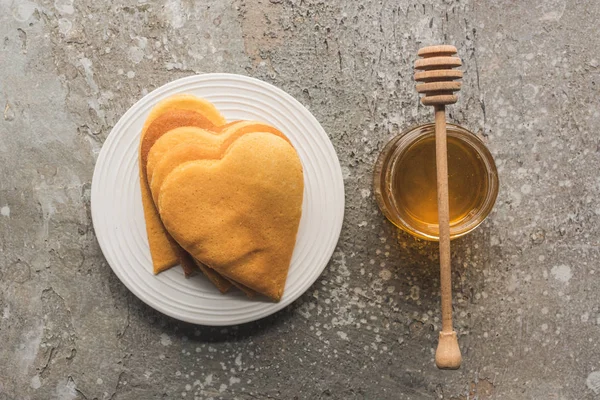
column 405, row 181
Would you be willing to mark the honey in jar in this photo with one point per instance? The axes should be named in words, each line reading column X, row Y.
column 405, row 181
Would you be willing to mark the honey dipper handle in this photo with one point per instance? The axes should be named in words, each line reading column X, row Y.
column 447, row 355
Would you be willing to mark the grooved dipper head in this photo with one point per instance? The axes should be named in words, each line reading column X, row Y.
column 436, row 72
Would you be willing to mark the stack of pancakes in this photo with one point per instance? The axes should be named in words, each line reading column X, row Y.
column 225, row 198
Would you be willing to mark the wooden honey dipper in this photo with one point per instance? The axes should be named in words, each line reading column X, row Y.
column 437, row 75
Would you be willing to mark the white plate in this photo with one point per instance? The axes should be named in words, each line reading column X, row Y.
column 119, row 221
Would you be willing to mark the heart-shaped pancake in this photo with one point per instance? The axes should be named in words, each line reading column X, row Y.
column 239, row 214
column 187, row 144
column 186, row 102
column 221, row 283
column 174, row 111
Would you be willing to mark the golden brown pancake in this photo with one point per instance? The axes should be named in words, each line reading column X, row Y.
column 186, row 102
column 223, row 284
column 164, row 250
column 239, row 214
column 202, row 145
column 198, row 147
column 247, row 291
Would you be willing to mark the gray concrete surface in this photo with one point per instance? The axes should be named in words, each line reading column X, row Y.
column 527, row 283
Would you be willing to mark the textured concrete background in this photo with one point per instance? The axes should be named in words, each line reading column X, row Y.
column 527, row 288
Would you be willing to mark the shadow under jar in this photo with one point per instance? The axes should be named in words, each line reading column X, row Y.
column 405, row 181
